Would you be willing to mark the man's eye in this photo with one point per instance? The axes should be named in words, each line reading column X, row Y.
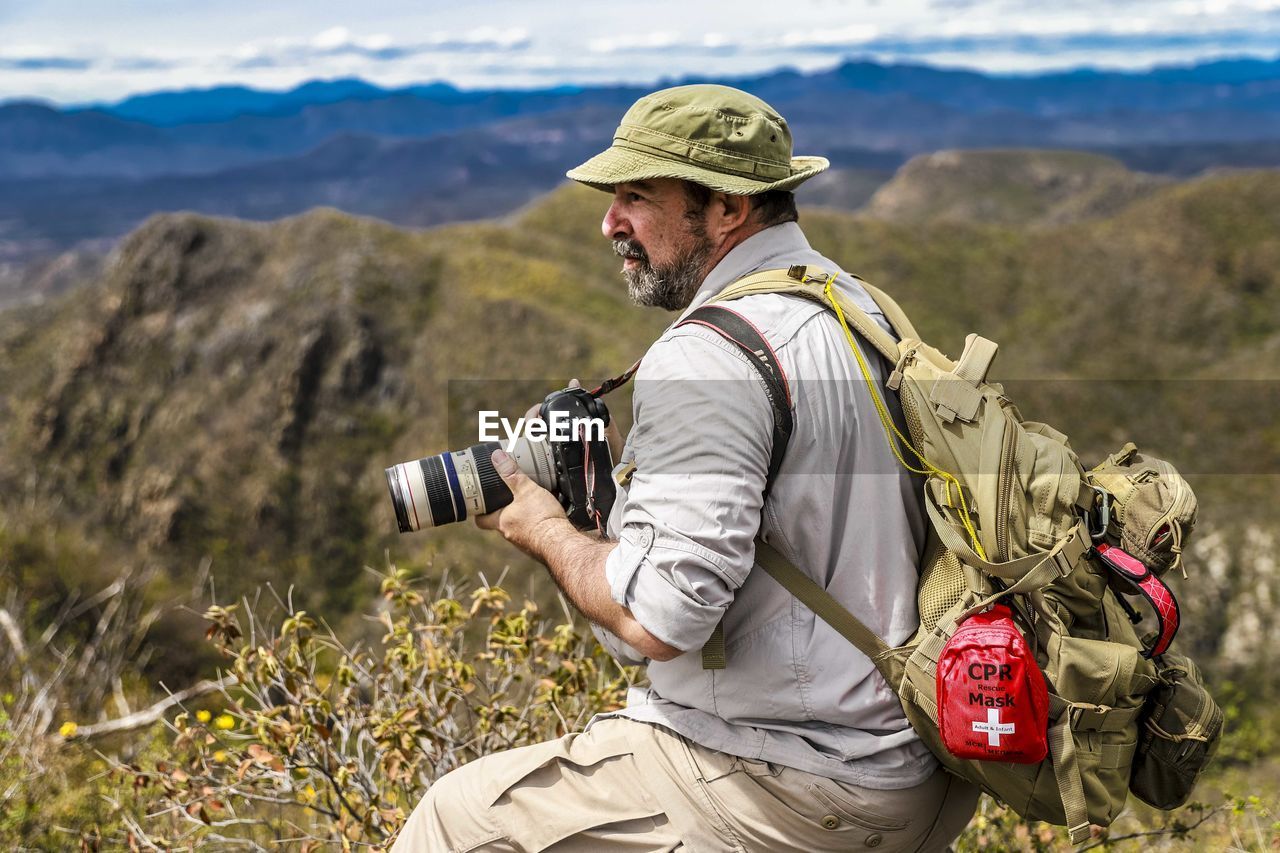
column 634, row 197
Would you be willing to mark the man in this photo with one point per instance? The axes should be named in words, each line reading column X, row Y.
column 797, row 743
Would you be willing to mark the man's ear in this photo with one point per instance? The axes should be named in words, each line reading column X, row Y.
column 732, row 211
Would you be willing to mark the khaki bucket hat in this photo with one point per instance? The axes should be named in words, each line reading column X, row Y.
column 717, row 136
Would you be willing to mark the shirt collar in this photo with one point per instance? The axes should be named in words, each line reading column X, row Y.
column 757, row 252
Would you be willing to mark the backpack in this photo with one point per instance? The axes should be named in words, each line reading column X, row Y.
column 1015, row 519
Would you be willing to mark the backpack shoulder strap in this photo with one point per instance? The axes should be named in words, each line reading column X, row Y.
column 740, row 331
column 824, row 605
column 743, row 334
column 808, row 281
column 892, row 311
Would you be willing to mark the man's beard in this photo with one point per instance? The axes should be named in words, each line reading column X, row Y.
column 670, row 286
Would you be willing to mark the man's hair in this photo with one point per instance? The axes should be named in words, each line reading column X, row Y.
column 769, row 208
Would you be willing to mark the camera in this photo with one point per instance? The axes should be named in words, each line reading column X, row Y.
column 576, row 468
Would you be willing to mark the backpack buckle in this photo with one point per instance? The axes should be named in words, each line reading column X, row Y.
column 1072, row 551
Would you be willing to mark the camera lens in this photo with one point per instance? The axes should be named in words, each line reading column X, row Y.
column 451, row 486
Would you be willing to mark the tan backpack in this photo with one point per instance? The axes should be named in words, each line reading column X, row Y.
column 1010, row 508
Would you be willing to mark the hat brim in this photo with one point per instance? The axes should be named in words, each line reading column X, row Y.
column 617, row 165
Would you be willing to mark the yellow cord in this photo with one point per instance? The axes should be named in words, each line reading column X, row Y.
column 891, row 429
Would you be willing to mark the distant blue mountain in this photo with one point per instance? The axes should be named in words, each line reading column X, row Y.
column 1163, row 87
column 431, row 152
column 222, row 103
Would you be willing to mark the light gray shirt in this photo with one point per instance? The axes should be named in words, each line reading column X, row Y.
column 794, row 692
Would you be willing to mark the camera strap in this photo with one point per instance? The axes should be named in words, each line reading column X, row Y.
column 616, row 382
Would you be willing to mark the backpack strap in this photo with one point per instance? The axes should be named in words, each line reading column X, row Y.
column 808, row 281
column 739, row 331
column 892, row 311
column 823, row 604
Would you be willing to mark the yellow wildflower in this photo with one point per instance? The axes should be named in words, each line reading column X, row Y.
column 220, row 756
column 225, row 722
column 203, row 716
column 68, row 729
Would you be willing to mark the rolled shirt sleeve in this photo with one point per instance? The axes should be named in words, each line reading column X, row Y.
column 701, row 443
column 614, row 645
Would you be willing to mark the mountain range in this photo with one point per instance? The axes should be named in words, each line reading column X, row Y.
column 422, row 155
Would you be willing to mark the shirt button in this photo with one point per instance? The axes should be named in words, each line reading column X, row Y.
column 646, row 538
column 830, row 821
column 874, row 840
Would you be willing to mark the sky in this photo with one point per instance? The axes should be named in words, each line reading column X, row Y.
column 88, row 51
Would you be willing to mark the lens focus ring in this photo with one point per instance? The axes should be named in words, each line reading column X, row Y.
column 491, row 485
column 438, row 497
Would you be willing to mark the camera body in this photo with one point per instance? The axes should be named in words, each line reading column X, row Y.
column 584, row 468
column 577, row 469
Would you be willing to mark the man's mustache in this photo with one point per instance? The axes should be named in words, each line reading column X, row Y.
column 630, row 249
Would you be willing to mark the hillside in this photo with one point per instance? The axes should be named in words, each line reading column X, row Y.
column 1009, row 188
column 235, row 389
column 232, row 390
column 208, row 415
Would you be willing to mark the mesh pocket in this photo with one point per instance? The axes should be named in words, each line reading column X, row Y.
column 942, row 583
column 915, row 431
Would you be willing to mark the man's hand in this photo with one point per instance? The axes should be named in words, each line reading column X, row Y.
column 535, row 523
column 533, row 518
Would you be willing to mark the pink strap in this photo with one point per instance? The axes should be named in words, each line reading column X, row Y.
column 1154, row 590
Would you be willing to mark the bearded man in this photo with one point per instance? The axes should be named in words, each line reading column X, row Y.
column 792, row 741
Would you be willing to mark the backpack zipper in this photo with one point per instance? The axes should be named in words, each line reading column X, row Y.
column 1002, row 495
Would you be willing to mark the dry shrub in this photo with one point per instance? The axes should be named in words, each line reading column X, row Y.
column 323, row 742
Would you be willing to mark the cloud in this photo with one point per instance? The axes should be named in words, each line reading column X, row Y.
column 45, row 63
column 28, row 59
column 1117, row 43
column 1033, row 36
column 666, row 43
column 142, row 63
column 338, row 42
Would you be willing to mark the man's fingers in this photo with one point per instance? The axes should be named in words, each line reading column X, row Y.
column 488, row 521
column 573, row 383
column 534, row 413
column 508, row 470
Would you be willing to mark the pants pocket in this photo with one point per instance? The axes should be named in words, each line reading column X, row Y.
column 543, row 794
column 854, row 807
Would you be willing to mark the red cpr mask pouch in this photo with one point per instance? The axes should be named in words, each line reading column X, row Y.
column 993, row 703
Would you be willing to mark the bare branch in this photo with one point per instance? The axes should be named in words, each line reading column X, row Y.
column 110, row 591
column 147, row 716
column 1164, row 830
column 12, row 631
column 122, row 704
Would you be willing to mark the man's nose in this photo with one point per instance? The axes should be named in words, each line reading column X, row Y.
column 615, row 226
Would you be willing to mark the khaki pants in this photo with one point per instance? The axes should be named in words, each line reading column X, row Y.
column 625, row 785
